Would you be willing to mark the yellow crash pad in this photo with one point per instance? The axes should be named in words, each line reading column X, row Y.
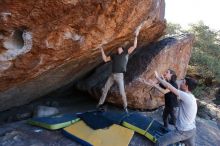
column 114, row 135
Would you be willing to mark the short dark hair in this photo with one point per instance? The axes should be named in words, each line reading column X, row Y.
column 192, row 83
column 174, row 76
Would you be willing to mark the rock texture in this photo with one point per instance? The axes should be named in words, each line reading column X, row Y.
column 208, row 111
column 47, row 44
column 171, row 53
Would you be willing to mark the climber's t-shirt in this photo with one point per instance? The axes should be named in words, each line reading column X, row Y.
column 119, row 62
column 187, row 111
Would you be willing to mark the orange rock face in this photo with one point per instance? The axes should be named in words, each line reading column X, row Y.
column 173, row 53
column 47, row 44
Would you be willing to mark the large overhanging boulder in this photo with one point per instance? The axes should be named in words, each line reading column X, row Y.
column 47, row 44
column 173, row 53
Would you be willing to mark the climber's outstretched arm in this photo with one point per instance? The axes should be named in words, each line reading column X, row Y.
column 136, row 33
column 104, row 57
column 131, row 49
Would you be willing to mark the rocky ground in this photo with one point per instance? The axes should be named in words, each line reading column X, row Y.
column 15, row 131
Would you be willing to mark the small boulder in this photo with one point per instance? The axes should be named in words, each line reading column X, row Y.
column 45, row 111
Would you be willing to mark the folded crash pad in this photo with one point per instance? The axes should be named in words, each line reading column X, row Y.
column 115, row 135
column 99, row 119
column 145, row 126
column 115, row 117
column 54, row 122
column 95, row 119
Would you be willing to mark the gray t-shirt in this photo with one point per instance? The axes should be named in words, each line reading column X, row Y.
column 119, row 62
column 187, row 111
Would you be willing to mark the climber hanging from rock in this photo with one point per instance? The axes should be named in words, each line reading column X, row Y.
column 119, row 64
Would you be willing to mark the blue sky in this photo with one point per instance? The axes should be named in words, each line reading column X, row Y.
column 185, row 12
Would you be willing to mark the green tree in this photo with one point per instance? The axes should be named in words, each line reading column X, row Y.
column 173, row 29
column 207, row 40
column 206, row 50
